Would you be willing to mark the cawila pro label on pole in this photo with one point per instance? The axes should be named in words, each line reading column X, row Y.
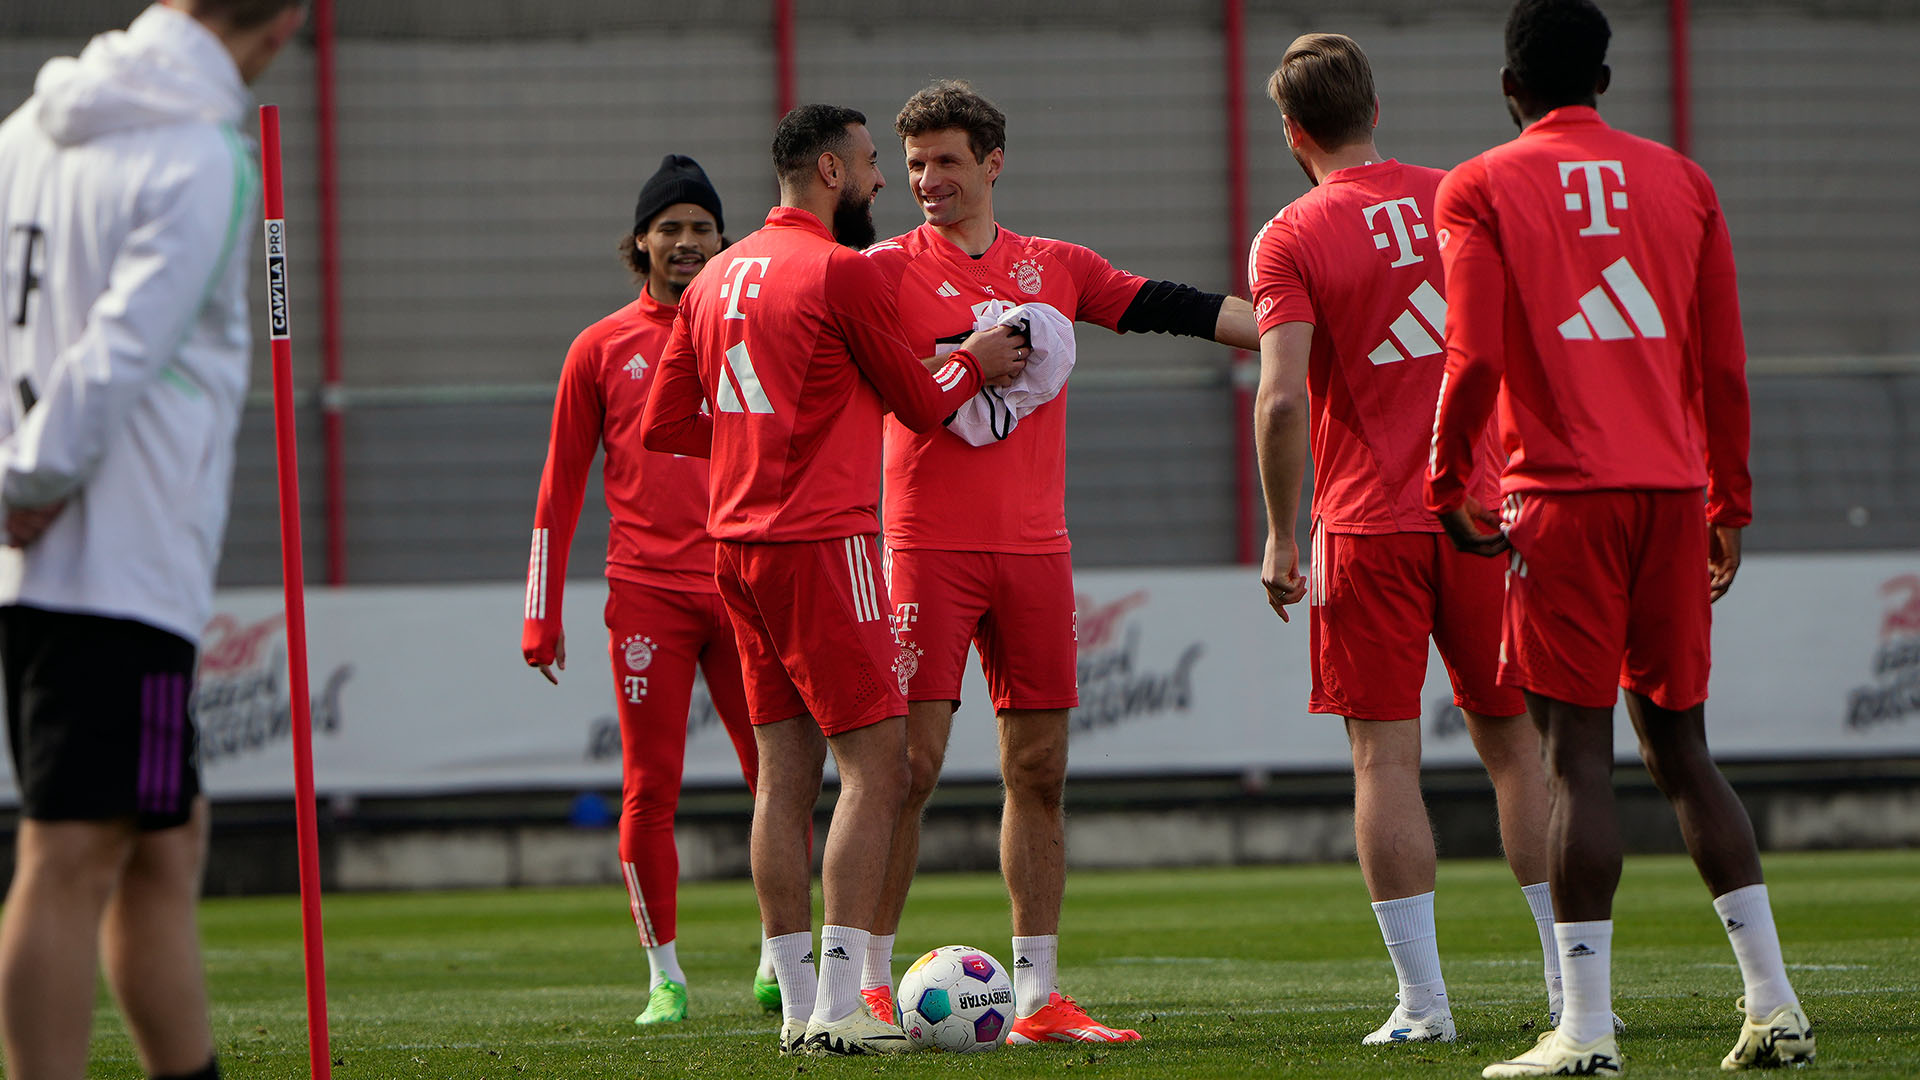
column 279, row 330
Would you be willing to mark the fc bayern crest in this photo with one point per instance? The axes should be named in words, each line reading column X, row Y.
column 907, row 664
column 1026, row 274
column 638, row 650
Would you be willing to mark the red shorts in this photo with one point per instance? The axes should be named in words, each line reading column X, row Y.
column 811, row 620
column 1606, row 589
column 1018, row 610
column 1376, row 598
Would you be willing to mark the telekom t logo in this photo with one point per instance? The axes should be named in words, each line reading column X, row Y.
column 1399, row 228
column 1597, row 198
column 732, row 289
column 904, row 616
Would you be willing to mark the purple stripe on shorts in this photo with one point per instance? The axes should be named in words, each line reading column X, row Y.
column 176, row 730
column 149, row 751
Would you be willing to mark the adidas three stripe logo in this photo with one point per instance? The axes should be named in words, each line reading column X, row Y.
column 1600, row 309
column 1407, row 337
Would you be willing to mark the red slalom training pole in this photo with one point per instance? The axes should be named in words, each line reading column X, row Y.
column 295, row 583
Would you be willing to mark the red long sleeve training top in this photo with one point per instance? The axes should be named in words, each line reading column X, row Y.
column 1591, row 291
column 658, row 502
column 785, row 356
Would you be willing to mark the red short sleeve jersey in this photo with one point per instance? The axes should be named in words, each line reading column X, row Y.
column 789, row 343
column 1593, row 295
column 658, row 502
column 943, row 492
column 1356, row 257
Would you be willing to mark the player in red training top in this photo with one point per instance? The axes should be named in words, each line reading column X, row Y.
column 1592, row 293
column 1347, row 286
column 977, row 546
column 663, row 614
column 783, row 358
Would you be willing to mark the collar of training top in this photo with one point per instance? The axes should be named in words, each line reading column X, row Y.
column 792, row 217
column 1565, row 116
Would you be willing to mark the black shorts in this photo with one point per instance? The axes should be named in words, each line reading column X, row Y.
column 98, row 718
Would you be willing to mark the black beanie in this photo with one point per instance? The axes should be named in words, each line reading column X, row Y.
column 680, row 180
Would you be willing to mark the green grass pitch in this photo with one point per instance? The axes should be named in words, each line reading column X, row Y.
column 1271, row 971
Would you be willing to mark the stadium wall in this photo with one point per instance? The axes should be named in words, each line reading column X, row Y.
column 489, row 154
column 441, row 761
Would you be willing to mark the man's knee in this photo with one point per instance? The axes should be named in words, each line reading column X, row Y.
column 85, row 860
column 1035, row 772
column 1673, row 745
column 1675, row 764
column 1508, row 746
column 1385, row 750
column 923, row 775
column 878, row 768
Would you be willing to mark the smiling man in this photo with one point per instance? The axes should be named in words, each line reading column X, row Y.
column 977, row 535
column 783, row 359
column 664, row 617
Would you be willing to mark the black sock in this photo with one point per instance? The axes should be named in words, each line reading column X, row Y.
column 210, row 1072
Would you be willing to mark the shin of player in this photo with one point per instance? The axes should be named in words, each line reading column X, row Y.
column 977, row 543
column 783, row 358
column 124, row 194
column 1610, row 293
column 663, row 615
column 1348, row 290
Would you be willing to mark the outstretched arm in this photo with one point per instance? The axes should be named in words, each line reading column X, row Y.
column 871, row 328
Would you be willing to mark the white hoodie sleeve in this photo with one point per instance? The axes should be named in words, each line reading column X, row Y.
column 183, row 230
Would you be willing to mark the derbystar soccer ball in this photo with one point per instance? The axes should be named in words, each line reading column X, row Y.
column 956, row 998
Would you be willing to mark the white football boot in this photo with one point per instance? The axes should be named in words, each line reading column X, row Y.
column 1556, row 1055
column 793, row 1036
column 1783, row 1037
column 1434, row 1025
column 858, row 1032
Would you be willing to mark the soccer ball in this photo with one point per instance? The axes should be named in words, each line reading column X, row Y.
column 956, row 998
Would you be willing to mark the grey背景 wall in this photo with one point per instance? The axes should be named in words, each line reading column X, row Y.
column 489, row 154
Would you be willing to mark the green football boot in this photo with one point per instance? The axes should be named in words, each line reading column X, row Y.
column 666, row 1004
column 766, row 991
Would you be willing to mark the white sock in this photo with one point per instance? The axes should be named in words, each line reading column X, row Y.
column 793, row 967
column 1036, row 972
column 1586, row 967
column 1748, row 917
column 878, row 969
column 1406, row 925
column 843, row 951
column 765, row 970
column 1540, row 902
column 663, row 963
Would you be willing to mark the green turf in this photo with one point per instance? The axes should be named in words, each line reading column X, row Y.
column 1228, row 972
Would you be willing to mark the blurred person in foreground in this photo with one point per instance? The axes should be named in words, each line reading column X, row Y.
column 663, row 615
column 785, row 354
column 128, row 201
column 1347, row 287
column 1594, row 304
column 977, row 546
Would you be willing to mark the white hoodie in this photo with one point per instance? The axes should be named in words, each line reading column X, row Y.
column 128, row 204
